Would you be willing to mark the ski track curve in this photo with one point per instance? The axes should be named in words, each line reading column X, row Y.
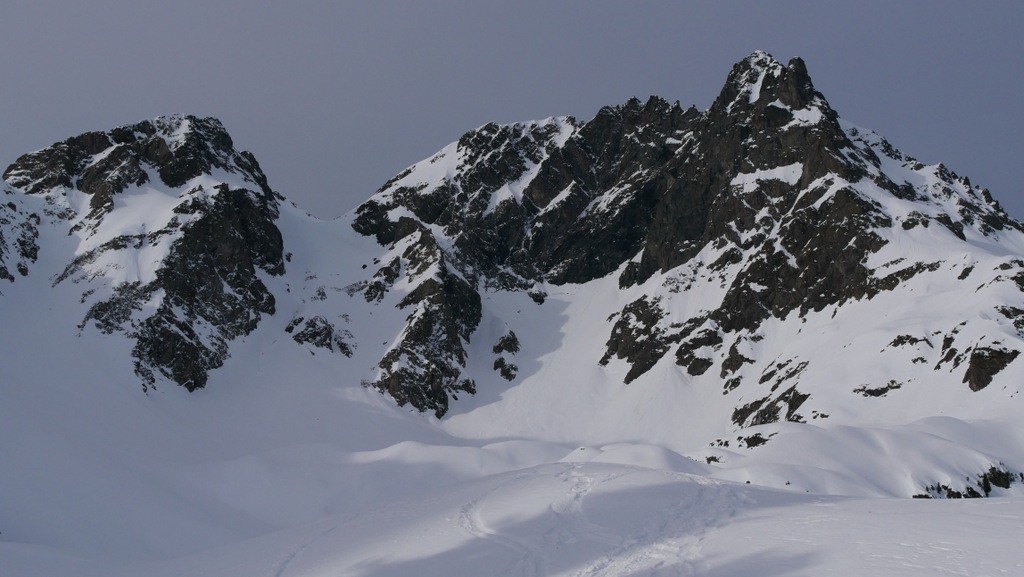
column 671, row 544
column 290, row 558
column 668, row 544
column 472, row 521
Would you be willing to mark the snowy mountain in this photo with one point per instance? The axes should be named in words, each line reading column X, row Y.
column 503, row 345
column 714, row 223
column 171, row 225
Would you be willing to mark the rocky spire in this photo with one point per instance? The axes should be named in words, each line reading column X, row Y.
column 759, row 80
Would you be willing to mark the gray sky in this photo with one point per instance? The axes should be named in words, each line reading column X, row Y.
column 334, row 98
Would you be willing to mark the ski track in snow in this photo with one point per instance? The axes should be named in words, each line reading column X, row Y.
column 471, row 519
column 292, row 557
column 565, row 516
column 672, row 545
column 669, row 543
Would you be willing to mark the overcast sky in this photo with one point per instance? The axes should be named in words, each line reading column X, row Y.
column 334, row 98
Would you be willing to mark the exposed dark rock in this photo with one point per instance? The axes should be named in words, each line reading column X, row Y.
column 637, row 337
column 769, row 372
column 949, row 352
column 999, row 477
column 755, row 440
column 383, row 279
column 768, row 410
column 321, row 333
column 783, row 372
column 986, row 363
column 734, row 361
column 19, row 234
column 1014, row 314
column 505, row 369
column 113, row 314
column 536, row 237
column 210, row 281
column 956, row 228
column 537, row 296
column 508, row 343
column 878, row 391
column 892, row 280
column 102, row 165
column 425, row 366
column 687, row 355
column 731, row 385
column 699, row 365
column 903, row 340
column 645, row 187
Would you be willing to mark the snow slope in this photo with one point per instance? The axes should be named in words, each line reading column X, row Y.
column 591, row 518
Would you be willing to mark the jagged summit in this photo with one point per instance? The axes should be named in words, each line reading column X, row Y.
column 760, row 80
column 179, row 147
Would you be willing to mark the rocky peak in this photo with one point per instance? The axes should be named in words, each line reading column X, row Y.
column 759, row 80
column 189, row 200
column 173, row 149
column 767, row 188
column 763, row 260
column 197, row 146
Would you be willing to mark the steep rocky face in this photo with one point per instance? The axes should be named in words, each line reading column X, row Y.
column 209, row 281
column 423, row 365
column 553, row 200
column 763, row 206
column 175, row 225
column 19, row 233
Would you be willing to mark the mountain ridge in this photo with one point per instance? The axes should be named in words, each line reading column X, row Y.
column 763, row 260
column 769, row 134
